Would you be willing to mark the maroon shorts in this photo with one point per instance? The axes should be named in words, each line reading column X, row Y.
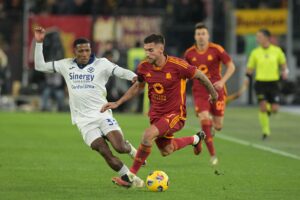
column 202, row 104
column 167, row 126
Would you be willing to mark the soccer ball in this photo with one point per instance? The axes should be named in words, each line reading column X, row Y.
column 157, row 181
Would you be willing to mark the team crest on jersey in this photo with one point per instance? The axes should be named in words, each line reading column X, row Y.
column 168, row 76
column 194, row 59
column 91, row 69
column 210, row 57
column 148, row 75
column 159, row 89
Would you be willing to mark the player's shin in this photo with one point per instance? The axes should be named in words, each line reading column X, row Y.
column 179, row 143
column 264, row 122
column 206, row 127
column 141, row 155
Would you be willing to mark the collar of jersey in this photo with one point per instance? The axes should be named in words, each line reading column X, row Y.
column 91, row 60
column 160, row 67
column 202, row 51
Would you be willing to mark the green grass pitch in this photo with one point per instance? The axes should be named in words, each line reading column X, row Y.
column 42, row 156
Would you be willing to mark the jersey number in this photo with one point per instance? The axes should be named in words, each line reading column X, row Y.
column 111, row 122
column 204, row 70
column 220, row 105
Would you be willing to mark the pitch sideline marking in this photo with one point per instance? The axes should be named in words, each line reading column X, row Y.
column 256, row 146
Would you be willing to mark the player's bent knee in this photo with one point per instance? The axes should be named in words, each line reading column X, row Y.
column 204, row 117
column 218, row 127
column 95, row 146
column 121, row 149
column 167, row 150
column 165, row 153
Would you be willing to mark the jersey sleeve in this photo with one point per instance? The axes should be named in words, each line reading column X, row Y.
column 225, row 58
column 58, row 66
column 41, row 65
column 251, row 61
column 139, row 73
column 281, row 57
column 109, row 66
column 187, row 72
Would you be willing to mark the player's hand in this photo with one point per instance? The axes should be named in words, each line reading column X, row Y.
column 109, row 105
column 134, row 79
column 213, row 98
column 39, row 34
column 284, row 74
column 219, row 85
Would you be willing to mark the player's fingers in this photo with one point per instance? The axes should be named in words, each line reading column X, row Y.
column 39, row 29
column 104, row 108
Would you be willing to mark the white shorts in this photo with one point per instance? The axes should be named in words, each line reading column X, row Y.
column 99, row 128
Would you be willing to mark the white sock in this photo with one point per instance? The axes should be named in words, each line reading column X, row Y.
column 196, row 139
column 124, row 170
column 133, row 151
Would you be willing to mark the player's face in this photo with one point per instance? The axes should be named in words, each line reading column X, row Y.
column 82, row 53
column 261, row 38
column 153, row 52
column 201, row 36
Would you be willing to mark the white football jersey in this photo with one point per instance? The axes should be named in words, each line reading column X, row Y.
column 86, row 86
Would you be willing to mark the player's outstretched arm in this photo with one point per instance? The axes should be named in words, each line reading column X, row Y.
column 39, row 61
column 131, row 92
column 206, row 82
column 125, row 74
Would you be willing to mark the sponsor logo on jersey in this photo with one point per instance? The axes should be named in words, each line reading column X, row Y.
column 209, row 57
column 194, row 59
column 81, row 77
column 91, row 69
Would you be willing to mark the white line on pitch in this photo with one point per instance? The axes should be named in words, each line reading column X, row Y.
column 257, row 146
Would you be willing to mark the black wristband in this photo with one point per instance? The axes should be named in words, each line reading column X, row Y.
column 248, row 75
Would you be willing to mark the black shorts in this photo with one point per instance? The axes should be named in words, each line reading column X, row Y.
column 268, row 91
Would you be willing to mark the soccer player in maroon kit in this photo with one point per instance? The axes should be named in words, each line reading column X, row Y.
column 166, row 77
column 208, row 57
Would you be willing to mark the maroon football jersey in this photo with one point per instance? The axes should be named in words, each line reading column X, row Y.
column 166, row 86
column 208, row 61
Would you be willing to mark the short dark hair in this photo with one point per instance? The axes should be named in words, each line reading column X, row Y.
column 80, row 41
column 155, row 38
column 265, row 32
column 200, row 25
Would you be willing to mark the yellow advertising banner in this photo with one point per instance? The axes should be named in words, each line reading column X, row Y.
column 250, row 21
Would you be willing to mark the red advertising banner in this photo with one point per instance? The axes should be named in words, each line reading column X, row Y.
column 125, row 30
column 61, row 32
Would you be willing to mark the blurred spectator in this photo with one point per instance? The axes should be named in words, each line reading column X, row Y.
column 115, row 87
column 48, row 6
column 104, row 7
column 109, row 48
column 189, row 11
column 53, row 88
column 154, row 4
column 3, row 59
column 53, row 85
column 3, row 65
column 13, row 9
column 79, row 7
column 134, row 56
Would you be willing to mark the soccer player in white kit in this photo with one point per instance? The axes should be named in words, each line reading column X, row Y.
column 86, row 76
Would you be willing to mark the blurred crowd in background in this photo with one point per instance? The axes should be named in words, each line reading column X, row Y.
column 18, row 80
